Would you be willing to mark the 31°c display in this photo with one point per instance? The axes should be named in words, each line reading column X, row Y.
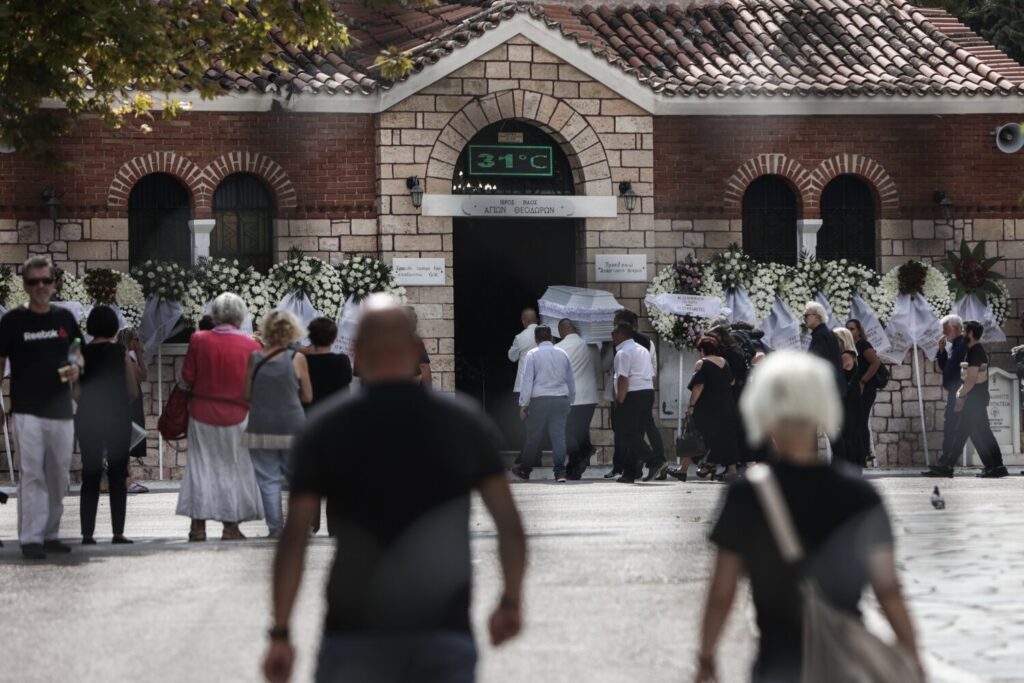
column 511, row 160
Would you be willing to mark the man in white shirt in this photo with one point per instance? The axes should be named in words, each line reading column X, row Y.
column 585, row 360
column 634, row 398
column 521, row 345
column 547, row 391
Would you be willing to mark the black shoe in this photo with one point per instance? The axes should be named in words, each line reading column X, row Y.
column 517, row 472
column 611, row 474
column 938, row 471
column 56, row 547
column 657, row 472
column 121, row 540
column 679, row 474
column 997, row 472
column 33, row 551
column 88, row 540
column 626, row 480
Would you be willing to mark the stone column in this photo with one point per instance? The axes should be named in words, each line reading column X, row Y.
column 201, row 229
column 807, row 235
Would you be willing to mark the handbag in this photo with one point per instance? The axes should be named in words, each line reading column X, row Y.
column 881, row 376
column 836, row 646
column 690, row 443
column 173, row 421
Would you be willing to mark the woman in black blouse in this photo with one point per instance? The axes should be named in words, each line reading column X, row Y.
column 714, row 406
column 329, row 372
column 868, row 364
column 104, row 420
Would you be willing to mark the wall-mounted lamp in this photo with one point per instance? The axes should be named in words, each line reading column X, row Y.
column 51, row 202
column 628, row 194
column 945, row 205
column 415, row 190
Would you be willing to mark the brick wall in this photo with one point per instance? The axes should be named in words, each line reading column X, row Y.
column 698, row 157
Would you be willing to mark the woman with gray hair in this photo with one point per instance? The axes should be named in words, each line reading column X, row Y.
column 840, row 522
column 219, row 482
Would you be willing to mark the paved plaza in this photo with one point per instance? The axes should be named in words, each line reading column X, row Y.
column 614, row 591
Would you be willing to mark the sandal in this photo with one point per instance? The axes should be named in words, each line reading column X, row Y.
column 679, row 473
column 136, row 487
column 705, row 469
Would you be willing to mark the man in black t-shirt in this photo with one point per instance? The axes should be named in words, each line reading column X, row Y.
column 36, row 338
column 972, row 409
column 399, row 591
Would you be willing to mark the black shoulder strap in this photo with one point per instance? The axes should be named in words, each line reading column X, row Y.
column 264, row 360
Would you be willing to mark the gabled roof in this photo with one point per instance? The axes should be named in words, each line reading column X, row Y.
column 764, row 48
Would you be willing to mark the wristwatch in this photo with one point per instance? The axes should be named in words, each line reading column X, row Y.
column 278, row 633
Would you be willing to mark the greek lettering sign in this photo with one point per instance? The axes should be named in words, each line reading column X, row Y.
column 511, row 160
column 1002, row 411
column 686, row 304
column 517, row 207
column 428, row 272
column 621, row 268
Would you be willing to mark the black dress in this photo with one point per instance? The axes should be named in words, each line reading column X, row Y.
column 868, row 395
column 328, row 373
column 850, row 447
column 715, row 413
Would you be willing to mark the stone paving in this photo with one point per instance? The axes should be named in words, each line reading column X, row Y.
column 615, row 590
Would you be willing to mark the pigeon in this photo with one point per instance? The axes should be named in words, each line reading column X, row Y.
column 938, row 502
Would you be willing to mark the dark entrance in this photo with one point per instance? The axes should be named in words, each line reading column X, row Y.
column 502, row 266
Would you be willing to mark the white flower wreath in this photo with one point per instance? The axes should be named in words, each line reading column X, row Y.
column 364, row 275
column 1000, row 303
column 70, row 288
column 841, row 280
column 769, row 281
column 212, row 277
column 307, row 275
column 935, row 291
column 166, row 280
column 681, row 331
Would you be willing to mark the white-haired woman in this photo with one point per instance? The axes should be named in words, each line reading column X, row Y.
column 219, row 482
column 851, row 447
column 276, row 386
column 840, row 521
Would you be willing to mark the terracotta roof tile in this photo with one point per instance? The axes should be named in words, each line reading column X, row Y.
column 778, row 48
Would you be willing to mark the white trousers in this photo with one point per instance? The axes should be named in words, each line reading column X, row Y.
column 44, row 447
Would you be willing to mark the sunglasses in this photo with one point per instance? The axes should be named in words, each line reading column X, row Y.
column 33, row 281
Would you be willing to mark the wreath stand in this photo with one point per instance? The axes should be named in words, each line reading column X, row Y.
column 920, row 404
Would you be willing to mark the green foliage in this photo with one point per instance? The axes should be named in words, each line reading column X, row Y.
column 1001, row 22
column 119, row 58
column 971, row 272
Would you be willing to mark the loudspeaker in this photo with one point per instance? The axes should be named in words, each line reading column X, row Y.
column 1010, row 138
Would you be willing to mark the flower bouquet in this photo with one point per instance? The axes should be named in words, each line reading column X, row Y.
column 212, row 277
column 978, row 290
column 913, row 278
column 69, row 288
column 114, row 288
column 733, row 269
column 12, row 292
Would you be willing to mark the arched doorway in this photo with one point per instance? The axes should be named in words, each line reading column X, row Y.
column 503, row 265
column 158, row 214
column 769, row 220
column 848, row 221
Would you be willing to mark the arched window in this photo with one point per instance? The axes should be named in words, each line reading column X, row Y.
column 769, row 220
column 244, row 230
column 158, row 215
column 848, row 221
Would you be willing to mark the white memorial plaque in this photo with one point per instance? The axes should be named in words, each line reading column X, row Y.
column 621, row 268
column 424, row 272
column 1003, row 415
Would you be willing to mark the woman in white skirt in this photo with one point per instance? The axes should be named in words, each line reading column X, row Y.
column 219, row 482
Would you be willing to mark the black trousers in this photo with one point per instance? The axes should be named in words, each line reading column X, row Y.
column 577, row 437
column 972, row 423
column 867, row 401
column 107, row 436
column 950, row 420
column 630, row 421
column 654, row 436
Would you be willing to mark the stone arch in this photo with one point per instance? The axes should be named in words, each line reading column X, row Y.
column 767, row 164
column 866, row 168
column 172, row 163
column 579, row 141
column 249, row 162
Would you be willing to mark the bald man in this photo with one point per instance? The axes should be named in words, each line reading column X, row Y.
column 399, row 589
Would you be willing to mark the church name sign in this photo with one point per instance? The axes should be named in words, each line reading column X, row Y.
column 519, row 206
column 421, row 272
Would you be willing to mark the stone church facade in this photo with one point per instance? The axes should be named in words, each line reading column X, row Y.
column 691, row 140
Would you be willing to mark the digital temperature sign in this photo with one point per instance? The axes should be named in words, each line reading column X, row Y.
column 511, row 160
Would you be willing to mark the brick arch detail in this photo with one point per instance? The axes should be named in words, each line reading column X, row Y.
column 768, row 164
column 580, row 142
column 863, row 167
column 248, row 162
column 172, row 163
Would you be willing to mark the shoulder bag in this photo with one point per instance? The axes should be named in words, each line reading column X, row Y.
column 836, row 646
column 881, row 377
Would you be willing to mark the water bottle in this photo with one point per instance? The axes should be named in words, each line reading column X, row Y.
column 74, row 348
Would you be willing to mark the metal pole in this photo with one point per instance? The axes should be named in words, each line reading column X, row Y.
column 7, row 439
column 920, row 404
column 160, row 406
